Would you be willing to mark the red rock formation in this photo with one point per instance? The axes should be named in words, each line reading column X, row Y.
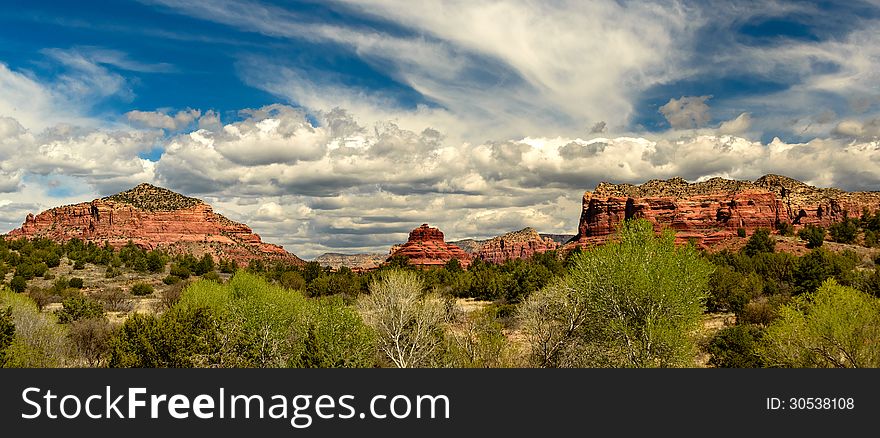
column 712, row 211
column 426, row 247
column 522, row 244
column 805, row 204
column 153, row 217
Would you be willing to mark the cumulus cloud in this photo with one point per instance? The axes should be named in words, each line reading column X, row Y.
column 159, row 119
column 374, row 183
column 686, row 112
column 858, row 129
column 737, row 126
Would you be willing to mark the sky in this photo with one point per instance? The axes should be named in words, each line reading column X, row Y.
column 340, row 125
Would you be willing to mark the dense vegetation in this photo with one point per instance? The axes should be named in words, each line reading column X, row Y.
column 638, row 301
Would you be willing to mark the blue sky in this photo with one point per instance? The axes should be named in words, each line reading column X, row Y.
column 309, row 120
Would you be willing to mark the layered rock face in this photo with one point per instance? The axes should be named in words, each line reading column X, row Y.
column 522, row 244
column 356, row 262
column 426, row 248
column 805, row 204
column 153, row 218
column 711, row 211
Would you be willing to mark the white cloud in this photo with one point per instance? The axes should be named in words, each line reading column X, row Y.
column 159, row 119
column 686, row 112
column 738, row 126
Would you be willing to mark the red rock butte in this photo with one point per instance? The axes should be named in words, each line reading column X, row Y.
column 522, row 244
column 153, row 218
column 712, row 211
column 426, row 248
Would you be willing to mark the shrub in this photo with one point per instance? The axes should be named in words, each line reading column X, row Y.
column 76, row 283
column 292, row 280
column 140, row 289
column 155, row 263
column 212, row 276
column 18, row 284
column 179, row 271
column 79, row 265
column 731, row 291
column 760, row 242
column 844, row 231
column 785, row 228
column 7, row 333
column 171, row 279
column 169, row 296
column 39, row 340
column 77, row 308
column 114, row 300
column 90, row 339
column 834, row 327
column 262, row 325
column 112, row 272
column 814, row 235
column 204, row 265
column 736, row 347
column 40, row 296
column 819, row 265
column 741, row 232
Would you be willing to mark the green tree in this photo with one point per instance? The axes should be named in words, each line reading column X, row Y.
column 398, row 262
column 77, row 308
column 18, row 284
column 785, row 228
column 453, row 266
column 844, row 231
column 155, row 262
column 760, row 242
column 141, row 289
column 336, row 337
column 7, row 333
column 834, row 327
column 407, row 325
column 204, row 265
column 819, row 265
column 634, row 302
column 292, row 280
column 814, row 235
column 736, row 347
column 180, row 338
column 731, row 291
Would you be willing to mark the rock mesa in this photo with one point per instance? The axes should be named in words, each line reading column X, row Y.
column 522, row 244
column 153, row 218
column 711, row 211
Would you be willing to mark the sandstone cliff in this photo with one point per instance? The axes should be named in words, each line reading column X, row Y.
column 426, row 247
column 522, row 244
column 711, row 211
column 153, row 217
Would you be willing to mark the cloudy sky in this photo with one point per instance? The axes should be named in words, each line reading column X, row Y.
column 340, row 125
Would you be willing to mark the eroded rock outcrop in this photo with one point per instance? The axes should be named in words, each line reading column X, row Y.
column 522, row 244
column 711, row 211
column 426, row 247
column 153, row 217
